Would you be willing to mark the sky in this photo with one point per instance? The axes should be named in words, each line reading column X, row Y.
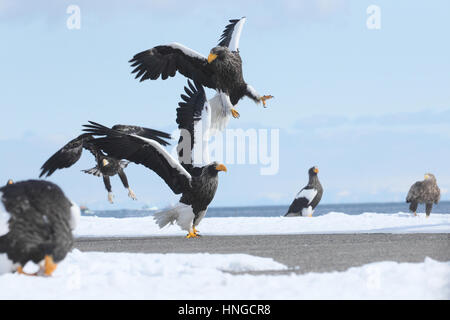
column 369, row 107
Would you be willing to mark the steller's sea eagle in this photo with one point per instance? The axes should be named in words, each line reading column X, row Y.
column 194, row 179
column 36, row 224
column 308, row 198
column 221, row 70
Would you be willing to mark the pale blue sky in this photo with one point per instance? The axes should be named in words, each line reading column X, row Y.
column 371, row 108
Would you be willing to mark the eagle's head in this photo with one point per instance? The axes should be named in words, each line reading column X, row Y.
column 313, row 171
column 218, row 54
column 430, row 176
column 214, row 168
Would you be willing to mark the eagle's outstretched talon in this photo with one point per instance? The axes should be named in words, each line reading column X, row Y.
column 131, row 194
column 264, row 98
column 110, row 197
column 235, row 113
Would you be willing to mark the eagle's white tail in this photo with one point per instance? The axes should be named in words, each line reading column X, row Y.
column 181, row 214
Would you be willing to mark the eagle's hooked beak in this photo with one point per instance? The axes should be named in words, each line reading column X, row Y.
column 9, row 182
column 105, row 162
column 221, row 167
column 427, row 176
column 316, row 170
column 212, row 57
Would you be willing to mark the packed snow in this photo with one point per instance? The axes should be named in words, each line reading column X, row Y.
column 100, row 275
column 333, row 222
column 95, row 275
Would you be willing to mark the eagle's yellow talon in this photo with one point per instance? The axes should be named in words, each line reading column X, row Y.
column 191, row 235
column 49, row 266
column 264, row 98
column 235, row 114
column 20, row 271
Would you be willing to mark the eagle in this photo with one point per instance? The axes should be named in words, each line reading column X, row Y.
column 221, row 70
column 192, row 176
column 106, row 166
column 36, row 225
column 308, row 198
column 426, row 191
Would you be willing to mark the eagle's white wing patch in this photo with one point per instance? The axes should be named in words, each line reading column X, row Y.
column 187, row 51
column 172, row 162
column 236, row 36
column 308, row 194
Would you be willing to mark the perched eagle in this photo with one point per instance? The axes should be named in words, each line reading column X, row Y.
column 426, row 191
column 36, row 224
column 106, row 166
column 190, row 176
column 308, row 198
column 221, row 70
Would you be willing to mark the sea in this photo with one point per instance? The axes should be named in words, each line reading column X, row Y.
column 279, row 210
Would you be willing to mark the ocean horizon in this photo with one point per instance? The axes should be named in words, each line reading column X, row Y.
column 279, row 210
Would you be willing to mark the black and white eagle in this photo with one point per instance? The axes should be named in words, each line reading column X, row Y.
column 192, row 176
column 36, row 223
column 106, row 166
column 426, row 191
column 308, row 198
column 221, row 70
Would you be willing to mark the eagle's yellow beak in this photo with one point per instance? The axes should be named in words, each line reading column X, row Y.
column 316, row 170
column 426, row 177
column 9, row 182
column 105, row 162
column 221, row 167
column 212, row 57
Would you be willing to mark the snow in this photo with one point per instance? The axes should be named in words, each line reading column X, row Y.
column 333, row 222
column 95, row 275
column 106, row 275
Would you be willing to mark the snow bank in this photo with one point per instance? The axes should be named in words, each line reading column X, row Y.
column 94, row 275
column 333, row 222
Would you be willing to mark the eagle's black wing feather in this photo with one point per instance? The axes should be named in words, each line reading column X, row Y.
column 189, row 111
column 68, row 155
column 140, row 150
column 166, row 60
column 144, row 132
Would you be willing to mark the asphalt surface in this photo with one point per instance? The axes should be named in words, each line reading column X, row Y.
column 301, row 253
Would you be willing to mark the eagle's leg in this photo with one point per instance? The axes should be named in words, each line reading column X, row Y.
column 428, row 208
column 131, row 194
column 20, row 271
column 195, row 231
column 124, row 180
column 48, row 267
column 235, row 113
column 192, row 233
column 264, row 98
column 413, row 207
column 107, row 183
column 110, row 197
column 252, row 94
